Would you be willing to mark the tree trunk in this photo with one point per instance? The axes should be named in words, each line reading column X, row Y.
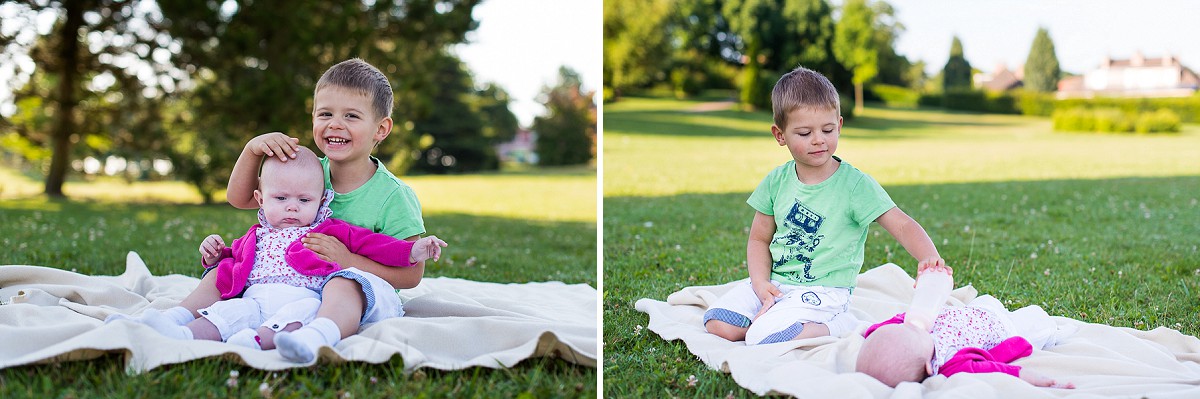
column 68, row 57
column 858, row 99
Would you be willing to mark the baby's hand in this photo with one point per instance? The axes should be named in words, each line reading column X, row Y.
column 427, row 248
column 210, row 249
column 1039, row 380
column 274, row 144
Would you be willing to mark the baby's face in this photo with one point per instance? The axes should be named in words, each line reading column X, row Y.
column 291, row 200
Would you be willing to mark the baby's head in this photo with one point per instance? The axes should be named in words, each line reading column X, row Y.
column 803, row 88
column 290, row 193
column 895, row 353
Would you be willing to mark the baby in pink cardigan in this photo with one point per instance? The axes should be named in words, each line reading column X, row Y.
column 268, row 281
column 982, row 337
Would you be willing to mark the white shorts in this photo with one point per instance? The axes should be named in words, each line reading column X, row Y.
column 382, row 300
column 263, row 305
column 783, row 321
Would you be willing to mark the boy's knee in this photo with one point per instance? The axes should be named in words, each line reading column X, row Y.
column 725, row 330
column 340, row 284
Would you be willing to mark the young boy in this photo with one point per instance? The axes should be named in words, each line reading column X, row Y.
column 279, row 280
column 352, row 106
column 809, row 231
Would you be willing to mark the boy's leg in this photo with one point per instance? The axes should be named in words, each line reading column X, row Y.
column 803, row 312
column 343, row 303
column 370, row 299
column 730, row 316
column 203, row 296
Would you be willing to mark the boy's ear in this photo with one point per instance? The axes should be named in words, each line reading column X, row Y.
column 778, row 133
column 384, row 129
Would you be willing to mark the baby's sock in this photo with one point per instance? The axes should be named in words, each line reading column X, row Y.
column 166, row 326
column 247, row 338
column 301, row 345
column 178, row 315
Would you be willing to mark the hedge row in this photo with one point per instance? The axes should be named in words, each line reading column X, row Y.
column 1115, row 120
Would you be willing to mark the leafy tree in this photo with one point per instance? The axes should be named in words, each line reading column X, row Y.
column 455, row 128
column 255, row 66
column 855, row 45
column 775, row 36
column 1041, row 68
column 957, row 73
column 567, row 134
column 92, row 81
column 637, row 48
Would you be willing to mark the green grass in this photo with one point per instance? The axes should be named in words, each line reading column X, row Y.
column 1097, row 228
column 510, row 240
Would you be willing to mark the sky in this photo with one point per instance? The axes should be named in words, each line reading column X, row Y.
column 1083, row 32
column 520, row 44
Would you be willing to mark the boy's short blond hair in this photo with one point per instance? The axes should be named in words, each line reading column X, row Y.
column 802, row 88
column 356, row 74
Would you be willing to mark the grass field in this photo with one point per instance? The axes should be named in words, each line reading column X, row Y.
column 532, row 226
column 1100, row 228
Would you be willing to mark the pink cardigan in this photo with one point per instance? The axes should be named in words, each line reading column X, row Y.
column 233, row 270
column 978, row 360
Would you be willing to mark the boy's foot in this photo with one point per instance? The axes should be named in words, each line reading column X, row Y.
column 247, row 338
column 301, row 345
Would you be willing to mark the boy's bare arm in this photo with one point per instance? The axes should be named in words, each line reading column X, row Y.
column 758, row 259
column 329, row 248
column 244, row 178
column 912, row 237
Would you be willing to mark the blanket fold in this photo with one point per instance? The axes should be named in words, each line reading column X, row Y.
column 1101, row 360
column 52, row 315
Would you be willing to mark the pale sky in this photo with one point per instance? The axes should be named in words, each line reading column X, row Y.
column 520, row 44
column 1083, row 32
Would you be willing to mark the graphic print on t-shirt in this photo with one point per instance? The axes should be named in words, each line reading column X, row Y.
column 800, row 239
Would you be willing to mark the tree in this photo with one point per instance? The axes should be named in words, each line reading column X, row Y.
column 957, row 73
column 637, row 48
column 455, row 128
column 856, row 47
column 1041, row 68
column 254, row 74
column 777, row 36
column 567, row 134
column 92, row 75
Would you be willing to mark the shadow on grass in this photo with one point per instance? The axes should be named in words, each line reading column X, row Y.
column 878, row 123
column 1119, row 251
column 94, row 239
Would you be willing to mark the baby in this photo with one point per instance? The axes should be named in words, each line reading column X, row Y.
column 269, row 282
column 982, row 337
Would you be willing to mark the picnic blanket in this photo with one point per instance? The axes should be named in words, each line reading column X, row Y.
column 52, row 315
column 1102, row 360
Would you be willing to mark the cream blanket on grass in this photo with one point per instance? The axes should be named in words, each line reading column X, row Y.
column 52, row 315
column 1102, row 361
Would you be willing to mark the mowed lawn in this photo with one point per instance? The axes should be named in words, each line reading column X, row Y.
column 532, row 226
column 1101, row 228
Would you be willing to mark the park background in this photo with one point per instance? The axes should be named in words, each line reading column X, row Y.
column 120, row 122
column 1083, row 200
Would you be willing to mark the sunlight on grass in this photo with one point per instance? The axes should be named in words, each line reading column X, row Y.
column 553, row 194
column 683, row 152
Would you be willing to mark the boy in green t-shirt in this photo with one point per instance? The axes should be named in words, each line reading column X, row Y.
column 352, row 107
column 810, row 227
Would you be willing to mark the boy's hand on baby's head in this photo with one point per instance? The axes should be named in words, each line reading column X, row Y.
column 274, row 144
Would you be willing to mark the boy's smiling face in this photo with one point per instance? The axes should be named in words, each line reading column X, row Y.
column 344, row 127
column 811, row 135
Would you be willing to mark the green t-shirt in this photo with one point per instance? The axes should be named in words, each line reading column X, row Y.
column 383, row 204
column 820, row 229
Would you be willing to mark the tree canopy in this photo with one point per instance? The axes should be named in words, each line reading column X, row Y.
column 957, row 73
column 567, row 134
column 1041, row 67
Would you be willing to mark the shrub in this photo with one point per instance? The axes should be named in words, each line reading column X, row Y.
column 896, row 96
column 1162, row 120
